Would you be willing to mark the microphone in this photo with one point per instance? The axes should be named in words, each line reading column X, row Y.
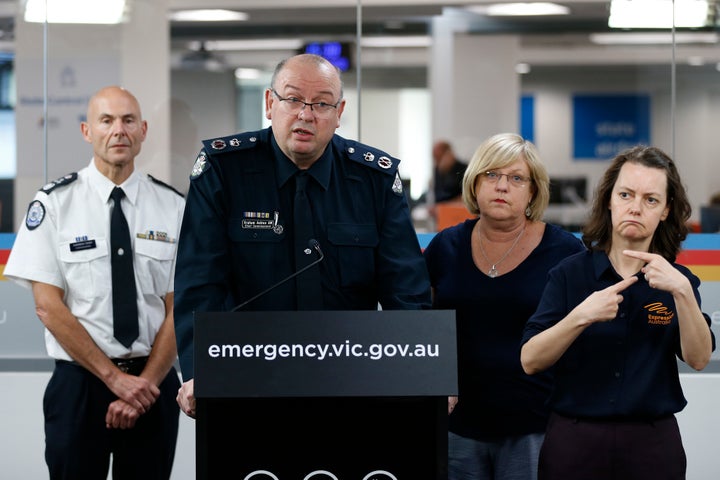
column 314, row 245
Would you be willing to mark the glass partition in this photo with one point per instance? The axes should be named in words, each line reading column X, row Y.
column 406, row 86
column 412, row 75
column 417, row 72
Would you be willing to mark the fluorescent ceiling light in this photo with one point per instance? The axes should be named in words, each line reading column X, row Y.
column 247, row 73
column 75, row 11
column 520, row 9
column 658, row 13
column 268, row 44
column 522, row 68
column 208, row 15
column 407, row 41
column 658, row 38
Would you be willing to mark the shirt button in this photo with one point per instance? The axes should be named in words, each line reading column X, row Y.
column 622, row 314
column 612, row 401
column 617, row 374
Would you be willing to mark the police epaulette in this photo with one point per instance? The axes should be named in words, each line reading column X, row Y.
column 240, row 141
column 160, row 182
column 371, row 157
column 66, row 180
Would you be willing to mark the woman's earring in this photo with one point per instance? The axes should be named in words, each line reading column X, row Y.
column 528, row 211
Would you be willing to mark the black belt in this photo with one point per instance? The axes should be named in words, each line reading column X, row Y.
column 133, row 366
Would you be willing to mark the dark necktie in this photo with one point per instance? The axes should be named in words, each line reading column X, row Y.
column 124, row 297
column 308, row 284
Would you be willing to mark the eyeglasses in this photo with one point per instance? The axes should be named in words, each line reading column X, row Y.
column 294, row 105
column 513, row 179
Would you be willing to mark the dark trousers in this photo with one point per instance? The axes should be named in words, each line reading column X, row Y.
column 576, row 449
column 78, row 446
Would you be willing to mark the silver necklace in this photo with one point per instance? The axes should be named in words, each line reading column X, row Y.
column 493, row 272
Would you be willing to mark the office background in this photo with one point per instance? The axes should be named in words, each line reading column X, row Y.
column 425, row 70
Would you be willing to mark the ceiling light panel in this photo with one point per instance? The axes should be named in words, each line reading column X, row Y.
column 208, row 15
column 658, row 13
column 75, row 11
column 520, row 9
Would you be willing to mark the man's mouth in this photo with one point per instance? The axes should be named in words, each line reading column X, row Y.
column 302, row 131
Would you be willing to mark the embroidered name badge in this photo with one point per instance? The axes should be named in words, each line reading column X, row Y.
column 82, row 243
column 156, row 235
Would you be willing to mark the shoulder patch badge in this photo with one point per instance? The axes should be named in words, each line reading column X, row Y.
column 397, row 186
column 200, row 167
column 67, row 179
column 35, row 215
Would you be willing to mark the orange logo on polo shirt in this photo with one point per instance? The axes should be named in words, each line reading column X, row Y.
column 659, row 314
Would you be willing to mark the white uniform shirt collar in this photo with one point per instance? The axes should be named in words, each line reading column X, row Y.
column 104, row 186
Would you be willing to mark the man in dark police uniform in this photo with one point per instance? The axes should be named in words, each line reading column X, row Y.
column 243, row 232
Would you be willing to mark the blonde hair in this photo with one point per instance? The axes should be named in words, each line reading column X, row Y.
column 499, row 151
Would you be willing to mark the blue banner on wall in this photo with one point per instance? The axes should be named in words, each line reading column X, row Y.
column 603, row 125
column 527, row 117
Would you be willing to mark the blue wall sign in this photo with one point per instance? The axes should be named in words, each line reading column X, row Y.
column 603, row 125
column 527, row 117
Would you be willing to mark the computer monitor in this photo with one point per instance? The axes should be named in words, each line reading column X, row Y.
column 337, row 53
column 568, row 190
column 710, row 219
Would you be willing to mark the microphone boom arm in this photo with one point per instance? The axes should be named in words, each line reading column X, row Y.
column 315, row 245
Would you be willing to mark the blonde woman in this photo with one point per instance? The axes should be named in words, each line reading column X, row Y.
column 491, row 270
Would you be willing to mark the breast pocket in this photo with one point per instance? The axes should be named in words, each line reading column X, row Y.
column 355, row 245
column 240, row 230
column 87, row 270
column 154, row 261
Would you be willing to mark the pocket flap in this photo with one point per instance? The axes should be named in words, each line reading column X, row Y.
column 353, row 234
column 155, row 249
column 69, row 255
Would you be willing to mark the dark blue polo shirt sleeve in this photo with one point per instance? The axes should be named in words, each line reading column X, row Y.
column 550, row 310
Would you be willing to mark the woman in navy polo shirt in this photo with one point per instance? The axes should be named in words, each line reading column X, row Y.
column 611, row 323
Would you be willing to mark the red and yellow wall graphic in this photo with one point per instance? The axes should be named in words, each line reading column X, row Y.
column 6, row 241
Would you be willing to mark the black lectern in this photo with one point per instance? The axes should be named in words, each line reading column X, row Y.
column 329, row 395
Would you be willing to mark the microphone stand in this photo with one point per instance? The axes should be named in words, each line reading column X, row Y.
column 315, row 245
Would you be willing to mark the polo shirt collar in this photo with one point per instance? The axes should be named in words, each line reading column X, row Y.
column 602, row 265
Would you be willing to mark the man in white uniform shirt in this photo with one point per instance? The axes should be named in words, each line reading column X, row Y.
column 105, row 398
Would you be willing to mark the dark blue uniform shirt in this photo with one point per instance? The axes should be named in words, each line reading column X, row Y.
column 236, row 238
column 621, row 369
